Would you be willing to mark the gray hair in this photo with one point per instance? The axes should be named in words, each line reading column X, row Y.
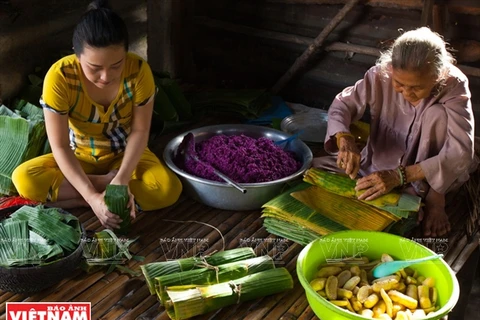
column 416, row 50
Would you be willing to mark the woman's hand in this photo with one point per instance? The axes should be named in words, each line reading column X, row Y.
column 348, row 157
column 108, row 219
column 377, row 184
column 131, row 201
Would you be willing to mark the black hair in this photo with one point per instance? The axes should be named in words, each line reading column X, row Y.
column 99, row 27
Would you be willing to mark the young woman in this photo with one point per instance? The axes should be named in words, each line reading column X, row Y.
column 421, row 126
column 98, row 106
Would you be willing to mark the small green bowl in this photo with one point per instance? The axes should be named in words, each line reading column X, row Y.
column 372, row 244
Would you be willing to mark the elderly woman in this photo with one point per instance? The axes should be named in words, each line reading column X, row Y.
column 421, row 126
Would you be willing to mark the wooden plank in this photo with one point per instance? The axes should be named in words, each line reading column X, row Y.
column 453, row 254
column 284, row 305
column 125, row 305
column 308, row 314
column 141, row 307
column 305, row 41
column 466, row 253
column 114, row 295
column 297, row 308
column 458, row 6
column 400, row 4
column 427, row 11
column 301, row 62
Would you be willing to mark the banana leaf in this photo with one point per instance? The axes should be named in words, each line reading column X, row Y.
column 212, row 274
column 288, row 217
column 395, row 202
column 37, row 236
column 105, row 249
column 290, row 230
column 22, row 137
column 188, row 301
column 177, row 98
column 246, row 104
column 50, row 224
column 163, row 109
column 351, row 213
column 161, row 268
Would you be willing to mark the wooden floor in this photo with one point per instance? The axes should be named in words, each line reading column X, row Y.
column 471, row 311
column 181, row 231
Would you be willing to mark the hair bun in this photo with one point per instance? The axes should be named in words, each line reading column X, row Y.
column 98, row 4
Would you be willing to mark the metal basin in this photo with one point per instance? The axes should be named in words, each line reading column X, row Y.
column 223, row 196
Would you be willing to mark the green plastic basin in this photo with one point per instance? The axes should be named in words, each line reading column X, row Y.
column 372, row 244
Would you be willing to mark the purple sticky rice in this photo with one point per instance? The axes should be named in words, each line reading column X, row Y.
column 243, row 159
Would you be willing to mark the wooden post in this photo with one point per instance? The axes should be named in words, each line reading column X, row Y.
column 168, row 29
column 302, row 61
column 440, row 17
column 427, row 10
column 159, row 51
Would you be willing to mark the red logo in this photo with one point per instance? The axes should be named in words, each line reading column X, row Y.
column 48, row 311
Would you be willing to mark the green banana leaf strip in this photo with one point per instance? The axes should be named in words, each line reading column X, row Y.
column 49, row 225
column 177, row 98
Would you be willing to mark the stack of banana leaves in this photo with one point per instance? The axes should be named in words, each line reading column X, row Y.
column 193, row 286
column 22, row 137
column 327, row 202
column 243, row 104
column 36, row 236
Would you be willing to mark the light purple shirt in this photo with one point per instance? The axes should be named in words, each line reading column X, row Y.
column 395, row 127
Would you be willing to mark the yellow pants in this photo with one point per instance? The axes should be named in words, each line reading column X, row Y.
column 153, row 184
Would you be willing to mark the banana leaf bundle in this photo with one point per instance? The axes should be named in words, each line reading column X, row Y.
column 105, row 249
column 37, row 236
column 22, row 137
column 161, row 268
column 116, row 199
column 395, row 202
column 212, row 274
column 245, row 104
column 190, row 300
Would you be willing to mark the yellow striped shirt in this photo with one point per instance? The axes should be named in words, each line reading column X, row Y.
column 96, row 133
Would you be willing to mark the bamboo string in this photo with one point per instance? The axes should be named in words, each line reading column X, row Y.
column 205, row 224
column 205, row 264
column 236, row 289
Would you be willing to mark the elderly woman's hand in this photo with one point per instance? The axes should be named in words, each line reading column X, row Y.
column 377, row 184
column 348, row 157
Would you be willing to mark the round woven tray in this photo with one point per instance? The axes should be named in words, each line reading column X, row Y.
column 37, row 278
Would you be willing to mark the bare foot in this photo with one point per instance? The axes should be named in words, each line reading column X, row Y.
column 435, row 221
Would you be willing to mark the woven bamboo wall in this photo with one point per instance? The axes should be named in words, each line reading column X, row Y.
column 252, row 43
